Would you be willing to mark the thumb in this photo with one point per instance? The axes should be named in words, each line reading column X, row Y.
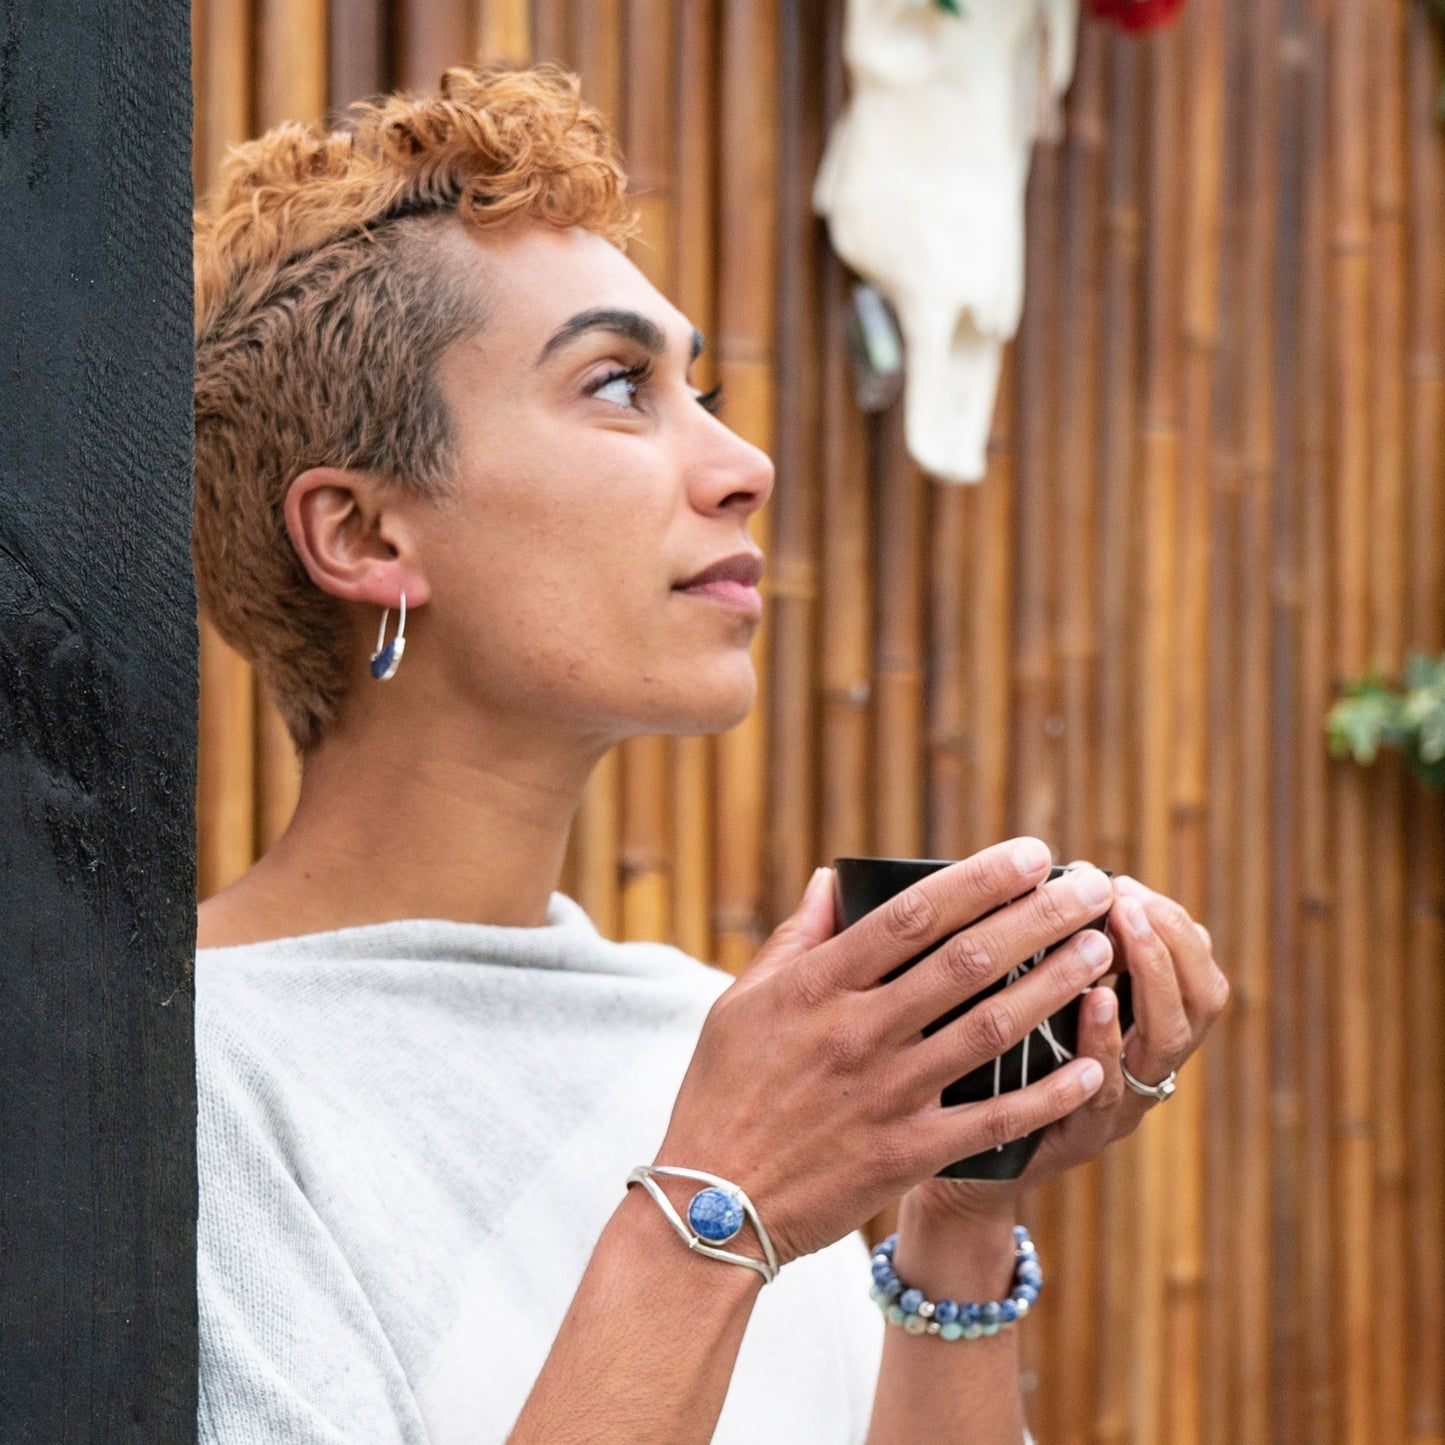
column 812, row 922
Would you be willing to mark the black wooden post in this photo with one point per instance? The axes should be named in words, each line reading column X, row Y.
column 97, row 725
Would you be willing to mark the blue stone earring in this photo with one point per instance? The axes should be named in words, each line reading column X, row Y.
column 385, row 660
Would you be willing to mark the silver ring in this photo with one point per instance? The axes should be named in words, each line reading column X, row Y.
column 1161, row 1090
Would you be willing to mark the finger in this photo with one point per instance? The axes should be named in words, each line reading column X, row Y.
column 995, row 1024
column 1100, row 1038
column 983, row 953
column 1201, row 984
column 810, row 923
column 1161, row 1038
column 912, row 921
column 956, row 1131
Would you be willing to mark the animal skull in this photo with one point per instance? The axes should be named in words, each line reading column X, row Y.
column 922, row 182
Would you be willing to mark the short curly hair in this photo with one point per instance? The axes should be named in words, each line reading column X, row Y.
column 322, row 307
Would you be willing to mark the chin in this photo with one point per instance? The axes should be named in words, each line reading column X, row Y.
column 710, row 707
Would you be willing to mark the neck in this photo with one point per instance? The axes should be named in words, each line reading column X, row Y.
column 469, row 824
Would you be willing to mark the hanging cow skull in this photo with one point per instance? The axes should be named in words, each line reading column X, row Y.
column 922, row 182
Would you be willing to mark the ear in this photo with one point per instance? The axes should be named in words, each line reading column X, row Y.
column 354, row 537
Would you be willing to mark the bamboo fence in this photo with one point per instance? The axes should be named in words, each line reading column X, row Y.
column 1216, row 489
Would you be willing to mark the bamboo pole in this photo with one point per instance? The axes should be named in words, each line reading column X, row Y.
column 1034, row 781
column 503, row 30
column 947, row 750
column 845, row 625
column 1159, row 507
column 693, row 268
column 1425, row 820
column 1316, row 896
column 290, row 61
column 1244, row 1075
column 1121, row 569
column 1349, row 129
column 1075, row 1369
column 225, row 781
column 1386, row 640
column 1290, row 1326
column 898, row 656
column 791, row 852
column 356, row 51
column 646, row 115
column 746, row 251
column 551, row 31
column 428, row 36
column 291, row 85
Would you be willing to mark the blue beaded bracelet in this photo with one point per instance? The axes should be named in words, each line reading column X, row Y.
column 946, row 1318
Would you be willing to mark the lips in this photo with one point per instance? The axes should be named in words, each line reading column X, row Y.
column 745, row 568
column 733, row 582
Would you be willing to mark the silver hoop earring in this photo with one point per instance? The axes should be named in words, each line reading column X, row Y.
column 385, row 660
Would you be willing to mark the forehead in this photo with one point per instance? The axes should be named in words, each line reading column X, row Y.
column 539, row 277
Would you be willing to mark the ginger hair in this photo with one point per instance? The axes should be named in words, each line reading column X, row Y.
column 325, row 295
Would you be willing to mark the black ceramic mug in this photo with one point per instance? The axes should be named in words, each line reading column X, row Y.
column 859, row 886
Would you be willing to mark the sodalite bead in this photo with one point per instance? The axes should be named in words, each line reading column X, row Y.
column 715, row 1214
column 910, row 1299
column 1008, row 1312
column 969, row 1314
column 945, row 1311
column 989, row 1314
column 893, row 1288
column 1027, row 1292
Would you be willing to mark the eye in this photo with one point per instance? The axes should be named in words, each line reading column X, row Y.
column 623, row 383
column 711, row 401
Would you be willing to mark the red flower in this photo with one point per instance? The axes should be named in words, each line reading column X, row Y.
column 1135, row 15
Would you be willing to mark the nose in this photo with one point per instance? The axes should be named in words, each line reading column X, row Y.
column 732, row 474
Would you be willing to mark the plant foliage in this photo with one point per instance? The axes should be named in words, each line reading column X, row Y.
column 1372, row 714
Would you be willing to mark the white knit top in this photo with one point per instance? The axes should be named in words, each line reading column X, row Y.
column 410, row 1137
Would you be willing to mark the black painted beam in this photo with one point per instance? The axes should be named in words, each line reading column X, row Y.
column 98, row 667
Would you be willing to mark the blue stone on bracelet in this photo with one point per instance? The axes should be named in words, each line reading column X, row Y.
column 887, row 1246
column 715, row 1214
column 989, row 1314
column 909, row 1300
column 1008, row 1312
column 945, row 1311
column 1028, row 1292
column 1029, row 1271
column 969, row 1314
column 1020, row 1232
column 881, row 1270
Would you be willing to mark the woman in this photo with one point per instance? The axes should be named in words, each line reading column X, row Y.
column 431, row 388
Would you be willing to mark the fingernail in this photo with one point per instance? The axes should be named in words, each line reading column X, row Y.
column 1105, row 1005
column 1030, row 854
column 1094, row 885
column 1125, row 884
column 1135, row 917
column 816, row 881
column 1094, row 947
column 1091, row 1075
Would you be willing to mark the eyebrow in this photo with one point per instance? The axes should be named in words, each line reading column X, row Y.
column 631, row 324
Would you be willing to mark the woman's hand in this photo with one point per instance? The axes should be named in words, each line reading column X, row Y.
column 812, row 1086
column 1179, row 991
